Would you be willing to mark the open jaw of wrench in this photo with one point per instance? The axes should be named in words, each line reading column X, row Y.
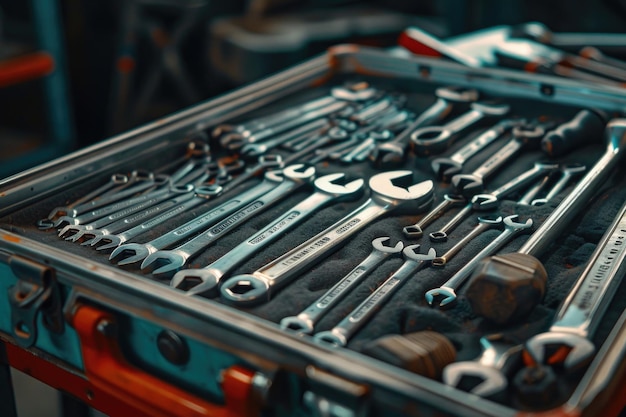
column 342, row 332
column 389, row 191
column 165, row 263
column 436, row 139
column 393, row 152
column 491, row 367
column 328, row 189
column 567, row 173
column 446, row 168
column 583, row 308
column 130, row 253
column 446, row 293
column 305, row 321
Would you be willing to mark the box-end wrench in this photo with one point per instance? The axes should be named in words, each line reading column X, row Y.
column 524, row 264
column 524, row 136
column 580, row 313
column 449, row 201
column 446, row 293
column 130, row 253
column 328, row 189
column 389, row 191
column 201, row 195
column 491, row 367
column 567, row 173
column 393, row 153
column 165, row 263
column 488, row 201
column 435, row 139
column 446, row 168
column 342, row 332
column 305, row 321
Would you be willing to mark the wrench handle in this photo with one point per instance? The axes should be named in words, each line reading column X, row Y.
column 480, row 142
column 498, row 159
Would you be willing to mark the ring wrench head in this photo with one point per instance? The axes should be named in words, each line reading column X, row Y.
column 245, row 289
column 398, row 186
column 581, row 348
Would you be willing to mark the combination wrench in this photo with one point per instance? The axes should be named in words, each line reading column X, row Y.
column 446, row 168
column 389, row 191
column 447, row 291
column 165, row 263
column 130, row 253
column 305, row 321
column 342, row 332
column 393, row 152
column 435, row 139
column 328, row 190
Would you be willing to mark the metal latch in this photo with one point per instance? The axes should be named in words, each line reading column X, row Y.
column 36, row 291
column 333, row 396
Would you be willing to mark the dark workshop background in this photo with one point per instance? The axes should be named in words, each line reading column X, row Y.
column 118, row 64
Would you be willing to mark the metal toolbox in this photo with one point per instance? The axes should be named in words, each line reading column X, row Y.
column 126, row 341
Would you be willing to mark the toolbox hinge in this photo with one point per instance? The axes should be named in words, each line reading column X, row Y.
column 333, row 396
column 36, row 291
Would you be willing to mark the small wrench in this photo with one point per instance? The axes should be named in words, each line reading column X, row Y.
column 567, row 173
column 393, row 153
column 304, row 322
column 582, row 310
column 528, row 135
column 342, row 332
column 435, row 139
column 446, row 168
column 417, row 230
column 447, row 290
column 389, row 191
column 134, row 252
column 165, row 263
column 327, row 190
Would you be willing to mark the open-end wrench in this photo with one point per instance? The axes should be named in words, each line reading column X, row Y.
column 417, row 230
column 447, row 291
column 567, row 173
column 583, row 308
column 73, row 233
column 342, row 332
column 488, row 201
column 130, row 253
column 393, row 152
column 524, row 136
column 446, row 168
column 435, row 139
column 327, row 190
column 305, row 321
column 534, row 191
column 310, row 129
column 491, row 367
column 165, row 263
column 484, row 223
column 389, row 191
column 201, row 195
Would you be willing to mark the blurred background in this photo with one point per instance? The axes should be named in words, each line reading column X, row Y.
column 74, row 72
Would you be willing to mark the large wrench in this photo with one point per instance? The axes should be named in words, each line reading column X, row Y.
column 327, row 190
column 435, row 139
column 447, row 291
column 165, row 263
column 342, row 332
column 393, row 153
column 305, row 321
column 582, row 310
column 446, row 168
column 134, row 252
column 389, row 191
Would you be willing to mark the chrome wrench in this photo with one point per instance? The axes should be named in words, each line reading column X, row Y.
column 567, row 173
column 165, row 263
column 435, row 139
column 417, row 230
column 327, row 190
column 447, row 291
column 130, row 253
column 305, row 321
column 389, row 191
column 342, row 332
